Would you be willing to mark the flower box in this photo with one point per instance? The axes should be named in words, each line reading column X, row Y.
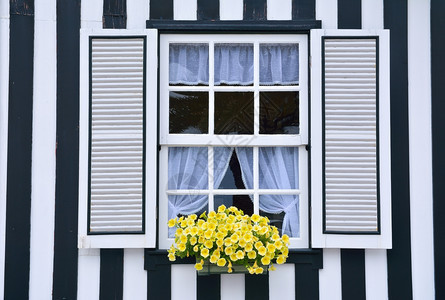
column 210, row 269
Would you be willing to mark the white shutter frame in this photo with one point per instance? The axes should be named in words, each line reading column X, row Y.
column 320, row 236
column 104, row 239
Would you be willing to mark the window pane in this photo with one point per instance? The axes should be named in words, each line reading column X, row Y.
column 233, row 64
column 181, row 205
column 279, row 64
column 279, row 113
column 283, row 212
column 233, row 169
column 278, row 168
column 234, row 113
column 243, row 202
column 189, row 112
column 189, row 64
column 187, row 168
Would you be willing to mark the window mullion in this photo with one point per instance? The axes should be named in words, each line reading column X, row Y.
column 256, row 197
column 211, row 178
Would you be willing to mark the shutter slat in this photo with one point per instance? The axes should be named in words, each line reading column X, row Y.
column 117, row 135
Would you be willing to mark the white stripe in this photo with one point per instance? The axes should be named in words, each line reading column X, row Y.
column 282, row 282
column 137, row 14
column 232, row 287
column 135, row 277
column 183, row 282
column 231, row 9
column 372, row 14
column 376, row 274
column 326, row 11
column 91, row 14
column 184, row 9
column 279, row 9
column 330, row 275
column 420, row 148
column 43, row 151
column 88, row 274
column 4, row 92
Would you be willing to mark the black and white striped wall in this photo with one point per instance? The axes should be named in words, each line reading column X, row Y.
column 39, row 142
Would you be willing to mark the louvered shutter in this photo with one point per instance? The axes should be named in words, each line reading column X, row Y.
column 350, row 146
column 120, row 130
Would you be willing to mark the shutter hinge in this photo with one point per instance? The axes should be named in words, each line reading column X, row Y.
column 159, row 147
column 307, row 148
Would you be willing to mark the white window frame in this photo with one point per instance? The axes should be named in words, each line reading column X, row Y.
column 255, row 140
column 147, row 239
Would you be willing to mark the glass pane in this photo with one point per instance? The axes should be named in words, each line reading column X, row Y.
column 189, row 64
column 276, row 207
column 233, row 64
column 234, row 113
column 233, row 169
column 279, row 64
column 187, row 168
column 243, row 202
column 279, row 113
column 189, row 112
column 278, row 167
column 182, row 205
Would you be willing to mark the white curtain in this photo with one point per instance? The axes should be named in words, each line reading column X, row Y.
column 278, row 169
column 221, row 162
column 245, row 159
column 233, row 64
column 189, row 64
column 279, row 64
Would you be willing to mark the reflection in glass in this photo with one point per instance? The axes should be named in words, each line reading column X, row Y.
column 234, row 113
column 184, row 205
column 233, row 64
column 242, row 202
column 189, row 112
column 279, row 113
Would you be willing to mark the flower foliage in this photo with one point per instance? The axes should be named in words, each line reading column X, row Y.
column 229, row 237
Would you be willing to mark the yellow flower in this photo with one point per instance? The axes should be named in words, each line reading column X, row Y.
column 229, row 251
column 248, row 247
column 183, row 223
column 208, row 244
column 248, row 237
column 227, row 242
column 264, row 230
column 271, row 248
column 194, row 230
column 240, row 254
column 208, row 234
column 179, row 231
column 222, row 208
column 204, row 252
column 201, row 239
column 212, row 214
column 200, row 222
column 278, row 245
column 190, row 222
column 196, row 248
column 259, row 270
column 228, row 226
column 183, row 239
column 229, row 270
column 198, row 266
column 255, row 218
column 251, row 270
column 285, row 252
column 181, row 247
column 258, row 245
column 233, row 209
column 234, row 238
column 242, row 243
column 251, row 255
column 265, row 260
column 275, row 237
column 172, row 222
column 219, row 243
column 171, row 257
column 233, row 257
column 272, row 267
column 204, row 225
column 281, row 260
column 213, row 259
column 256, row 228
column 262, row 251
column 285, row 238
column 221, row 262
column 193, row 240
column 193, row 216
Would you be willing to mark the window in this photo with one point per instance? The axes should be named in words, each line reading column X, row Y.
column 234, row 127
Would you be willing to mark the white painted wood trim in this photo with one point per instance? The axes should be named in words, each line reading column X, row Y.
column 232, row 287
column 43, row 169
column 91, row 13
column 420, row 149
column 231, row 9
column 135, row 277
column 372, row 14
column 282, row 282
column 330, row 275
column 4, row 98
column 183, row 282
column 88, row 274
column 185, row 9
column 326, row 11
column 137, row 14
column 279, row 9
column 376, row 274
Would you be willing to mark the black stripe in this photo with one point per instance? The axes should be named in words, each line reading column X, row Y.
column 399, row 257
column 257, row 287
column 115, row 14
column 303, row 9
column 255, row 10
column 67, row 152
column 306, row 282
column 209, row 285
column 438, row 129
column 18, row 188
column 349, row 14
column 161, row 10
column 353, row 285
column 159, row 283
column 208, row 9
column 111, row 274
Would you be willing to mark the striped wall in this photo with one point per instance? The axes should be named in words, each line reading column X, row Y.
column 39, row 97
